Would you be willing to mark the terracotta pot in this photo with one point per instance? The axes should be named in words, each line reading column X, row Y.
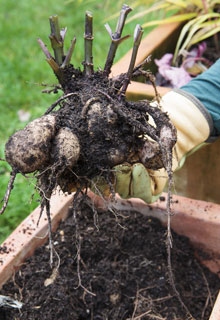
column 198, row 220
column 28, row 236
column 199, row 177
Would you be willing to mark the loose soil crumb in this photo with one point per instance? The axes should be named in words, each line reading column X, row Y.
column 123, row 266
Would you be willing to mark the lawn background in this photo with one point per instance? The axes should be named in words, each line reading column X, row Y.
column 23, row 68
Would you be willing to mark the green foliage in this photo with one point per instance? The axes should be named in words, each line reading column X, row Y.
column 196, row 30
column 24, row 69
column 203, row 20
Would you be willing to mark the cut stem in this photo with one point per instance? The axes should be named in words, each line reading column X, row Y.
column 137, row 40
column 44, row 49
column 50, row 60
column 68, row 57
column 56, row 39
column 57, row 70
column 88, row 36
column 57, row 42
column 116, row 38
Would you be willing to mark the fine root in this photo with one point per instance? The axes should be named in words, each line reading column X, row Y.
column 8, row 191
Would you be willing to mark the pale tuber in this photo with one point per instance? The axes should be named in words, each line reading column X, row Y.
column 28, row 150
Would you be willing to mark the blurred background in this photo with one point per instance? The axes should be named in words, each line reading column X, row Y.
column 23, row 70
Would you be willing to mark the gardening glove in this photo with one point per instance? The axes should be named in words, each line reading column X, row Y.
column 195, row 112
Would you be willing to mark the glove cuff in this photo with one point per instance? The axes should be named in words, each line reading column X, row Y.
column 213, row 133
column 194, row 127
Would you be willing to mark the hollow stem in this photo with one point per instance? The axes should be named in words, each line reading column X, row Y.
column 137, row 40
column 56, row 39
column 116, row 38
column 88, row 36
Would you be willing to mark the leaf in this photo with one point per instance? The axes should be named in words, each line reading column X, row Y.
column 181, row 37
column 179, row 3
column 197, row 3
column 206, row 35
column 175, row 18
column 214, row 2
column 191, row 27
column 195, row 28
column 203, row 28
column 145, row 12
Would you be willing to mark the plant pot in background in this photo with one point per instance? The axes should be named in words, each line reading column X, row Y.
column 198, row 179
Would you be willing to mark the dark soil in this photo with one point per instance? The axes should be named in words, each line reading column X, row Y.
column 123, row 270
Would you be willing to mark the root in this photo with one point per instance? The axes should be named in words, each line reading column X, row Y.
column 8, row 191
column 58, row 101
column 148, row 76
column 88, row 104
column 76, row 202
column 209, row 296
column 46, row 204
column 141, row 300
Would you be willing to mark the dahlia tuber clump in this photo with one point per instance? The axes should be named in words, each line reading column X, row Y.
column 92, row 127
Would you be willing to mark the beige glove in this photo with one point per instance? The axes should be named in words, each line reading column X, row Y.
column 194, row 126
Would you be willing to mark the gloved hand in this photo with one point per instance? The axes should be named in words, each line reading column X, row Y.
column 195, row 112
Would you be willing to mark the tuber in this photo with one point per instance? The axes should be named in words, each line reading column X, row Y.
column 65, row 149
column 28, row 149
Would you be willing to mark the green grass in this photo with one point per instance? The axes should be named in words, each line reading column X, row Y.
column 23, row 68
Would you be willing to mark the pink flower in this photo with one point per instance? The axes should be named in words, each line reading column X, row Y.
column 194, row 55
column 177, row 76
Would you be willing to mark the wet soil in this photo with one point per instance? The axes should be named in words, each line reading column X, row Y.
column 123, row 273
